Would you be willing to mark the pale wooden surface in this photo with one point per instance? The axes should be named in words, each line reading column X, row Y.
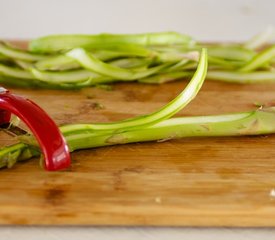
column 188, row 182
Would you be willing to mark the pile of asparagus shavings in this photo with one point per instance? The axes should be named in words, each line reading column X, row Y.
column 77, row 61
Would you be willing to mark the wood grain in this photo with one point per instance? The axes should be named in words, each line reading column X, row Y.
column 187, row 182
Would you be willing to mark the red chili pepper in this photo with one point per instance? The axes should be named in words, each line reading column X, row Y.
column 53, row 145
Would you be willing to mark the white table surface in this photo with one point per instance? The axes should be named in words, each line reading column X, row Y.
column 206, row 20
column 134, row 233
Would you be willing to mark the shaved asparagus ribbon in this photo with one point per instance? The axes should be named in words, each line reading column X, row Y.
column 165, row 112
column 57, row 43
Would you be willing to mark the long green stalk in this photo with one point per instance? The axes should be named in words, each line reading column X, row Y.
column 261, row 121
column 256, row 122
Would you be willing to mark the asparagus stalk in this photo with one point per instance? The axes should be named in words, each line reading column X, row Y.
column 256, row 122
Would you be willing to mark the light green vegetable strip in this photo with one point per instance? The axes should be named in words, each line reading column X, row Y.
column 242, row 77
column 14, row 72
column 235, row 53
column 91, row 63
column 22, row 64
column 165, row 77
column 131, row 62
column 259, row 60
column 20, row 54
column 57, row 63
column 165, row 112
column 34, row 83
column 257, row 122
column 17, row 152
column 223, row 64
column 55, row 43
column 75, row 76
column 55, row 78
column 109, row 52
column 178, row 56
column 261, row 39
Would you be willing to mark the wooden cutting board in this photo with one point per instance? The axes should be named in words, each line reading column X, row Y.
column 188, row 182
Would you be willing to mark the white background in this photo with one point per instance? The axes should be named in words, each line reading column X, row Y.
column 205, row 20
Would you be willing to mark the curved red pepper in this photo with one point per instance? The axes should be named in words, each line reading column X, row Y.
column 52, row 143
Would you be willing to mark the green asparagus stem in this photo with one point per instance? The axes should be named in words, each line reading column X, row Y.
column 256, row 122
column 17, row 152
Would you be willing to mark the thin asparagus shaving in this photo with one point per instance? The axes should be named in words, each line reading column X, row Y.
column 259, row 60
column 57, row 63
column 63, row 62
column 261, row 39
column 55, row 78
column 90, row 62
column 231, row 52
column 57, row 43
column 215, row 63
column 14, row 72
column 165, row 77
column 20, row 54
column 131, row 62
column 22, row 64
column 241, row 77
column 165, row 112
column 75, row 76
column 33, row 83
